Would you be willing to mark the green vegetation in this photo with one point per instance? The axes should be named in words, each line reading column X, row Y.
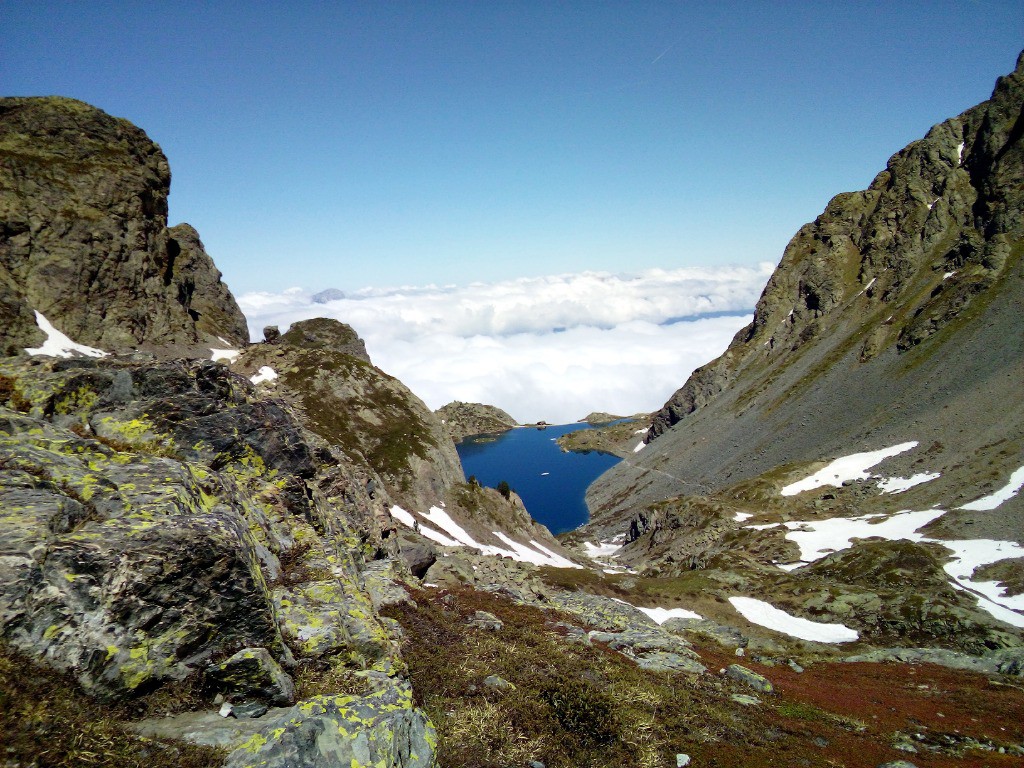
column 46, row 722
column 572, row 704
column 353, row 405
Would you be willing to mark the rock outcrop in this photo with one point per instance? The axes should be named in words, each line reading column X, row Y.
column 84, row 237
column 322, row 365
column 461, row 420
column 157, row 517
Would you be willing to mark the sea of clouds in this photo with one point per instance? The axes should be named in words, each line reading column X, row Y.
column 547, row 348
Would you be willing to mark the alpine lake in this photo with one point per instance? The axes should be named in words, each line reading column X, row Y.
column 551, row 482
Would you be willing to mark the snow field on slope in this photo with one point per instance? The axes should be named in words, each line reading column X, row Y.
column 817, row 538
column 993, row 500
column 536, row 553
column 845, row 468
column 767, row 615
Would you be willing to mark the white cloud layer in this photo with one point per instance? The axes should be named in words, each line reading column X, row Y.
column 549, row 348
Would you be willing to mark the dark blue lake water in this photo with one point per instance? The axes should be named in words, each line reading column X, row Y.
column 551, row 483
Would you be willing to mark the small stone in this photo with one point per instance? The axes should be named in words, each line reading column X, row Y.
column 485, row 620
column 749, row 678
column 794, row 666
column 251, row 709
column 898, row 764
column 498, row 683
column 745, row 700
column 739, row 651
column 682, row 760
column 535, row 764
column 226, row 710
column 218, row 699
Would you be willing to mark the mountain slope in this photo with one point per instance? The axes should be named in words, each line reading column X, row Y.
column 894, row 316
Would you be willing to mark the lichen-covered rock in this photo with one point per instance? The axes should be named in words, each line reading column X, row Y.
column 123, row 568
column 383, row 729
column 83, row 198
column 252, row 675
column 145, row 506
column 652, row 648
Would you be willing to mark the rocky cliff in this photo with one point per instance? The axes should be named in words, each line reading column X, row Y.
column 84, row 237
column 856, row 453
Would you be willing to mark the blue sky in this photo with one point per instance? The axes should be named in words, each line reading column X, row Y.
column 380, row 144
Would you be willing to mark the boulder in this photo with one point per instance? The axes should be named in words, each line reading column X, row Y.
column 382, row 729
column 749, row 678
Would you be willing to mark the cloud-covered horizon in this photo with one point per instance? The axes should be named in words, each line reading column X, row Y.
column 549, row 348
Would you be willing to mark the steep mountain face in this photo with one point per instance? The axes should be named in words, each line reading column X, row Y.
column 855, row 456
column 894, row 316
column 84, row 237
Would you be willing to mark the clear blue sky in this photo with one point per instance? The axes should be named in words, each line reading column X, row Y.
column 353, row 144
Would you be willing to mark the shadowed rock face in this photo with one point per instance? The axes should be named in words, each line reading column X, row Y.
column 894, row 315
column 84, row 238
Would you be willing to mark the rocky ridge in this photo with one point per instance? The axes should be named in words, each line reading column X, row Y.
column 882, row 314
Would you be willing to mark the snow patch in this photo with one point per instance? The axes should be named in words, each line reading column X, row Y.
column 974, row 553
column 993, row 500
column 767, row 615
column 58, row 344
column 739, row 517
column 948, row 275
column 225, row 354
column 852, row 467
column 661, row 615
column 639, row 447
column 817, row 538
column 266, row 373
column 960, row 152
column 602, row 549
column 403, row 517
column 901, row 484
column 519, row 551
column 440, row 538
